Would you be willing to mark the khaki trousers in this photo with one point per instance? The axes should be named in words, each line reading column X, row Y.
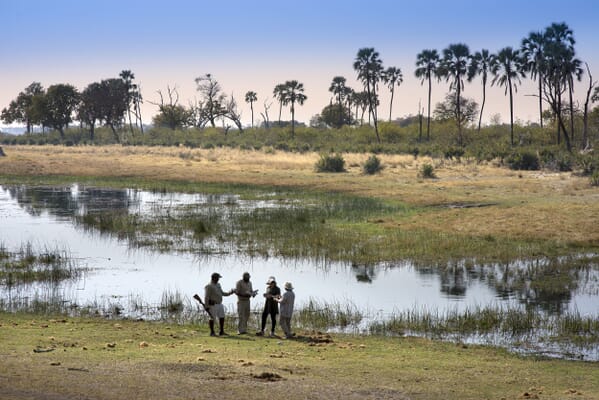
column 243, row 312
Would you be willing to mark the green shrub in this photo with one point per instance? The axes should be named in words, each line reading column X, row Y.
column 523, row 160
column 372, row 165
column 330, row 163
column 595, row 179
column 427, row 171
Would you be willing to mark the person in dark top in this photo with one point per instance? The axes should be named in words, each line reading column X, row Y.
column 271, row 306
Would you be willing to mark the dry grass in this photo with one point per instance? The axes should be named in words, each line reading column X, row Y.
column 525, row 205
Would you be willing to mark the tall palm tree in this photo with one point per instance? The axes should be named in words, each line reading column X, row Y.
column 559, row 52
column 573, row 70
column 480, row 64
column 279, row 94
column 251, row 97
column 507, row 69
column 427, row 65
column 369, row 67
column 294, row 93
column 339, row 90
column 392, row 76
column 454, row 67
column 533, row 49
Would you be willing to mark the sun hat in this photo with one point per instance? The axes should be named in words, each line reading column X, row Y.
column 216, row 275
column 270, row 280
column 288, row 286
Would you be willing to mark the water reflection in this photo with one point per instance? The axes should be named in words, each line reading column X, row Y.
column 551, row 285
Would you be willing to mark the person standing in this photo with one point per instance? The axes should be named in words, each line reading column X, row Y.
column 286, row 302
column 213, row 299
column 271, row 307
column 244, row 291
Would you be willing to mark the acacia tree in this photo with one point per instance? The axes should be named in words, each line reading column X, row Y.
column 480, row 64
column 88, row 112
column 294, row 93
column 251, row 97
column 21, row 109
column 508, row 68
column 369, row 67
column 61, row 100
column 447, row 110
column 392, row 77
column 454, row 67
column 171, row 114
column 213, row 99
column 427, row 66
column 532, row 50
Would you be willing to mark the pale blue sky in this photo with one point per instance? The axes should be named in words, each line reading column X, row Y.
column 254, row 45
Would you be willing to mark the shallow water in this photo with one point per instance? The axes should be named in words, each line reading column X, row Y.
column 118, row 273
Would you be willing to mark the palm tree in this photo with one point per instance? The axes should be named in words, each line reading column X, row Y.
column 251, row 97
column 533, row 49
column 427, row 65
column 279, row 94
column 339, row 90
column 454, row 68
column 392, row 76
column 507, row 69
column 573, row 70
column 370, row 67
column 559, row 53
column 480, row 64
column 294, row 93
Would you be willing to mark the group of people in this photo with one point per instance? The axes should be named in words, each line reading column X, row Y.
column 213, row 302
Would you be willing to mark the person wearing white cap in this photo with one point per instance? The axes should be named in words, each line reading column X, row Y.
column 271, row 307
column 286, row 302
column 213, row 299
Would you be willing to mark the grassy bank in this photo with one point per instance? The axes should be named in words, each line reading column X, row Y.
column 470, row 208
column 103, row 359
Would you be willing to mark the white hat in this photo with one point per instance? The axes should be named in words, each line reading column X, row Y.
column 270, row 280
column 288, row 286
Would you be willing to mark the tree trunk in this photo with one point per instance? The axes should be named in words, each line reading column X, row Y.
column 585, row 118
column 511, row 113
column 391, row 104
column 428, row 117
column 541, row 100
column 482, row 107
column 571, row 109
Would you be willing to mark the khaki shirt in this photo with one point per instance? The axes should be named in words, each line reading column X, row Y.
column 213, row 294
column 244, row 290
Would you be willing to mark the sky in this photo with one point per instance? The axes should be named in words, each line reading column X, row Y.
column 255, row 45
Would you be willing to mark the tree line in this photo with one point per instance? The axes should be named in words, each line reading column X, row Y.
column 547, row 57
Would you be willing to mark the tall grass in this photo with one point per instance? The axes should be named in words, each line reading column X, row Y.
column 27, row 265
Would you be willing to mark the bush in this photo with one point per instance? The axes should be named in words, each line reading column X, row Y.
column 372, row 165
column 595, row 179
column 427, row 171
column 523, row 160
column 330, row 163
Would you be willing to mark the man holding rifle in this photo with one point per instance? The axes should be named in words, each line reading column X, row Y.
column 213, row 302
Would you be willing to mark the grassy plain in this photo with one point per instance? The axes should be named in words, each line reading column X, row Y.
column 67, row 358
column 478, row 199
column 59, row 358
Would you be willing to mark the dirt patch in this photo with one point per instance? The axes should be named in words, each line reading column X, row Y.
column 268, row 376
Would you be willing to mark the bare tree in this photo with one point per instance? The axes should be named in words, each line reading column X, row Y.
column 585, row 132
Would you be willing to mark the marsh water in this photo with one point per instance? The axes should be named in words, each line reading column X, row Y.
column 117, row 272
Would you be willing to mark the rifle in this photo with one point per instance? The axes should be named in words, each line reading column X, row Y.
column 198, row 298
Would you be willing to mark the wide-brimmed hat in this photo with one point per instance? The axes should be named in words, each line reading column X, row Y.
column 288, row 286
column 270, row 280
